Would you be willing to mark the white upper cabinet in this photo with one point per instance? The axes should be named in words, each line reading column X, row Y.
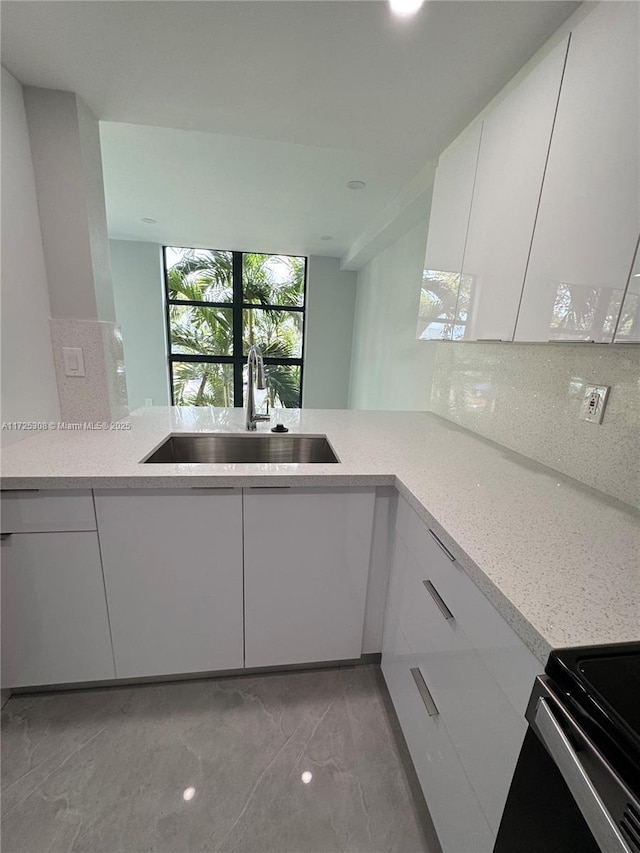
column 589, row 216
column 448, row 223
column 628, row 330
column 513, row 152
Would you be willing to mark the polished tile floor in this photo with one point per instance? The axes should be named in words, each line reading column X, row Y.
column 281, row 763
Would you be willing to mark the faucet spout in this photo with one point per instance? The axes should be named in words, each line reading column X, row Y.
column 255, row 372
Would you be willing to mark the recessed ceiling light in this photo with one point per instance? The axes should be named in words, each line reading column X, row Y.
column 356, row 185
column 326, row 237
column 149, row 220
column 404, row 8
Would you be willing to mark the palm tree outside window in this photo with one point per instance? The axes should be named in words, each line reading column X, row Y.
column 219, row 303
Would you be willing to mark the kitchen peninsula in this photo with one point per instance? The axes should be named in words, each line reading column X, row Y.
column 558, row 560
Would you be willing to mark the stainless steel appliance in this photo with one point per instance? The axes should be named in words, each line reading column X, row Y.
column 576, row 788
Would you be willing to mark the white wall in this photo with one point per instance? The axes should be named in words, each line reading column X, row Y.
column 139, row 302
column 65, row 145
column 390, row 369
column 331, row 296
column 28, row 379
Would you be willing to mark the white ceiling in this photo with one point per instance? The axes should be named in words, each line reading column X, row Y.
column 288, row 101
column 238, row 192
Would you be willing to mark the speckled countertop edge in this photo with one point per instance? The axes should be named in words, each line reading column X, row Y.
column 519, row 530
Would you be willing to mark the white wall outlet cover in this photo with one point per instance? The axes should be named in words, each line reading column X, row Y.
column 73, row 358
column 594, row 403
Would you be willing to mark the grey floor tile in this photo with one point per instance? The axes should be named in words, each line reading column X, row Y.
column 284, row 763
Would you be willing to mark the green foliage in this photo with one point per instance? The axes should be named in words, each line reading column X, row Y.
column 268, row 280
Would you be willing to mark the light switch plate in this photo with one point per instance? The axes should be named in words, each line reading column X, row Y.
column 73, row 358
column 594, row 403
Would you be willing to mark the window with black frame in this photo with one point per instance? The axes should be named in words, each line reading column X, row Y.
column 219, row 303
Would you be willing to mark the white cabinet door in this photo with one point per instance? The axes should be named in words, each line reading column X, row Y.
column 448, row 222
column 306, row 564
column 588, row 220
column 513, row 153
column 55, row 628
column 173, row 574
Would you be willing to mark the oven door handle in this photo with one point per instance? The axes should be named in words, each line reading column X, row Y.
column 588, row 800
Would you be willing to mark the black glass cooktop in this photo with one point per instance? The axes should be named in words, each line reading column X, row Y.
column 616, row 680
column 602, row 684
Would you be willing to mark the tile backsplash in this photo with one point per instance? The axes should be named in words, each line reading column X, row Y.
column 100, row 395
column 527, row 397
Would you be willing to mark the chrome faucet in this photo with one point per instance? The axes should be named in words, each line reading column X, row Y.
column 254, row 362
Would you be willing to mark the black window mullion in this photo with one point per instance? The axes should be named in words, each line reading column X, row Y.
column 200, row 304
column 304, row 327
column 238, row 400
column 165, row 276
column 201, row 359
column 260, row 306
column 237, row 307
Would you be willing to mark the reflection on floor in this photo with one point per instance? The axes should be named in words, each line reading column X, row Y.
column 289, row 762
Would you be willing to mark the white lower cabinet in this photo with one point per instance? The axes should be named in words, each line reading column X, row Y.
column 478, row 675
column 457, row 816
column 55, row 628
column 173, row 575
column 306, row 566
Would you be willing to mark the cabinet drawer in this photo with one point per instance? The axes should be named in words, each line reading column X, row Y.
column 424, row 625
column 475, row 619
column 47, row 511
column 484, row 728
column 502, row 651
column 457, row 815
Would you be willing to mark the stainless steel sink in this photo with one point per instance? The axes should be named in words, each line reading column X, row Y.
column 223, row 448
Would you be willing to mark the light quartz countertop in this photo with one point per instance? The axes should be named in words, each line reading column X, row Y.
column 559, row 560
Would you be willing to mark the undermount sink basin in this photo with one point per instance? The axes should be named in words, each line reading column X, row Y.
column 224, row 448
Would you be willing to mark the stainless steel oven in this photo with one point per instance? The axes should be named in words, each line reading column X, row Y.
column 576, row 788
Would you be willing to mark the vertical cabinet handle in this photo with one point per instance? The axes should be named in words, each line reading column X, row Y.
column 438, row 542
column 442, row 607
column 425, row 695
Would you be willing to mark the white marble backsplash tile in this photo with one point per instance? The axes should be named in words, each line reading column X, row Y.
column 100, row 395
column 527, row 397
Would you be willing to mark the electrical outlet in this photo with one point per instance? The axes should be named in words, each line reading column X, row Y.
column 594, row 403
